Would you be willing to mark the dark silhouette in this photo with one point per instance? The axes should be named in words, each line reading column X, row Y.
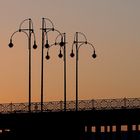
column 103, row 120
column 29, row 31
column 78, row 43
column 62, row 46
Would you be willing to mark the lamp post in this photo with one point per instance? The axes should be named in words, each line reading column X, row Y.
column 28, row 31
column 45, row 30
column 78, row 43
column 62, row 44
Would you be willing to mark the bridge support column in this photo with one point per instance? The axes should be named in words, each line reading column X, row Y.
column 105, row 132
column 118, row 132
column 110, row 131
column 137, row 132
column 98, row 132
column 129, row 132
column 137, row 127
column 89, row 133
column 130, row 137
column 89, row 128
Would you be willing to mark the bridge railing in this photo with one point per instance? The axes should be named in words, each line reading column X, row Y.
column 55, row 106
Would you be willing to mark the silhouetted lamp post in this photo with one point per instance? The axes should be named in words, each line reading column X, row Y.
column 62, row 44
column 28, row 31
column 45, row 30
column 78, row 43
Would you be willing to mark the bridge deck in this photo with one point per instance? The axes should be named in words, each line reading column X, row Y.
column 94, row 119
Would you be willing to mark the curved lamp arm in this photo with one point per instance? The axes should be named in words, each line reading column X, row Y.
column 11, row 44
column 61, row 44
column 87, row 43
column 60, row 55
column 24, row 21
column 32, row 29
column 82, row 35
column 47, row 19
column 94, row 54
column 59, row 34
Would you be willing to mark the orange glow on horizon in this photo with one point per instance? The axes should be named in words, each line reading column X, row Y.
column 111, row 26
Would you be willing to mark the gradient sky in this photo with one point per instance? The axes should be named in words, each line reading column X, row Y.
column 112, row 26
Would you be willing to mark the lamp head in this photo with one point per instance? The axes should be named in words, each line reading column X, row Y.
column 34, row 46
column 62, row 43
column 60, row 54
column 47, row 56
column 72, row 53
column 10, row 44
column 47, row 44
column 94, row 55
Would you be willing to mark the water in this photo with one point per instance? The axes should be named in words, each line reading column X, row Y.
column 113, row 136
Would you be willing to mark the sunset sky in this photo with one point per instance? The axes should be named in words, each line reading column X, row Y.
column 112, row 26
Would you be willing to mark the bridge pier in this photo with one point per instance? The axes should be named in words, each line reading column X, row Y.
column 89, row 133
column 137, row 132
column 89, row 128
column 129, row 131
column 118, row 132
column 110, row 132
column 106, row 132
column 98, row 132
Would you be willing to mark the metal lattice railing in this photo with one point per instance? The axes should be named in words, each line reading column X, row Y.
column 55, row 106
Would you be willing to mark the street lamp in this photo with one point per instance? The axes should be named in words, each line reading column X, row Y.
column 78, row 43
column 62, row 45
column 28, row 31
column 45, row 30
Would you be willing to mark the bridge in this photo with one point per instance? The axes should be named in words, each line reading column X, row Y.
column 101, row 119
